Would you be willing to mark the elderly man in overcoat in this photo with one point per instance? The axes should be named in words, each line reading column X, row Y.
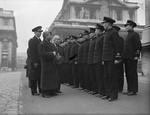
column 35, row 65
column 49, row 77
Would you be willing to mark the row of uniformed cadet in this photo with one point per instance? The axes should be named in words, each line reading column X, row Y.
column 96, row 60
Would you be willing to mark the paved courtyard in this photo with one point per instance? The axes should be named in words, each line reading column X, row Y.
column 76, row 101
column 9, row 92
column 15, row 98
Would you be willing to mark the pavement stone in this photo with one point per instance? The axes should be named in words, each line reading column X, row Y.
column 9, row 92
column 75, row 101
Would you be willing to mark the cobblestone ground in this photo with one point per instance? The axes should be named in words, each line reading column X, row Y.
column 9, row 92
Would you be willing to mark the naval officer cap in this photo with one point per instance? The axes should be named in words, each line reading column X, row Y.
column 99, row 26
column 92, row 29
column 108, row 20
column 130, row 22
column 37, row 29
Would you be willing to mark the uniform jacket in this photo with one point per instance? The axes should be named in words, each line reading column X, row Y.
column 132, row 45
column 34, row 57
column 98, row 49
column 85, row 51
column 74, row 52
column 33, row 52
column 91, row 51
column 80, row 53
column 110, row 45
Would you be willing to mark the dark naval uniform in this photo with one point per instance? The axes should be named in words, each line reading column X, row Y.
column 66, row 63
column 91, row 66
column 73, row 58
column 35, row 70
column 110, row 51
column 80, row 63
column 132, row 48
column 99, row 68
column 85, row 77
column 120, row 66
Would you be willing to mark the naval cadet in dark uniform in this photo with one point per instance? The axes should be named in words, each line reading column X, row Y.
column 80, row 63
column 132, row 49
column 34, row 57
column 84, row 79
column 91, row 65
column 110, row 52
column 73, row 59
column 119, row 66
column 99, row 67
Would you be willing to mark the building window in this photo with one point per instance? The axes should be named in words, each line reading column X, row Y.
column 5, row 46
column 83, row 13
column 93, row 13
column 132, row 15
column 119, row 14
column 6, row 22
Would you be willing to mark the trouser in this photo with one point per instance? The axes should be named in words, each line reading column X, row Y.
column 81, row 74
column 70, row 74
column 131, row 75
column 35, row 85
column 92, row 78
column 60, row 75
column 86, row 77
column 120, row 73
column 99, row 68
column 65, row 73
column 75, row 75
column 110, row 80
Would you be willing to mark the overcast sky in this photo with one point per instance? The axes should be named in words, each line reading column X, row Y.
column 31, row 13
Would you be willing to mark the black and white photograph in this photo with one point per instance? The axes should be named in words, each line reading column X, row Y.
column 75, row 57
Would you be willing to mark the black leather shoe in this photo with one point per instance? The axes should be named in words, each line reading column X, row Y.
column 132, row 93
column 58, row 91
column 105, row 97
column 46, row 96
column 125, row 93
column 35, row 94
column 111, row 99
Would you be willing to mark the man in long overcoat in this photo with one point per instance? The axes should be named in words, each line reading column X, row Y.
column 49, row 77
column 35, row 65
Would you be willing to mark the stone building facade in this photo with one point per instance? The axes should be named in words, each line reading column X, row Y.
column 146, row 41
column 8, row 40
column 77, row 15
